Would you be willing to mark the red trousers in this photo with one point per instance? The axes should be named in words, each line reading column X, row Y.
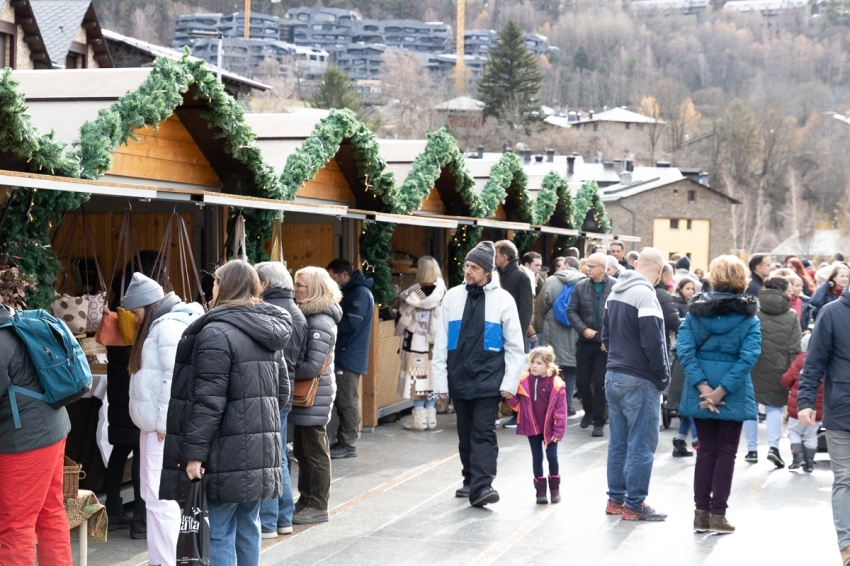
column 31, row 506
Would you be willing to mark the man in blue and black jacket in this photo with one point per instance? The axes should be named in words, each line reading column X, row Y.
column 479, row 352
column 351, row 356
column 633, row 335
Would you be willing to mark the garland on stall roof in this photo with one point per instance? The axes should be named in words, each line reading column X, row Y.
column 464, row 238
column 587, row 200
column 376, row 252
column 543, row 209
column 564, row 210
column 28, row 215
column 153, row 102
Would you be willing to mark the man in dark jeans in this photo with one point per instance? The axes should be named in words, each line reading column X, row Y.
column 351, row 356
column 478, row 357
column 587, row 306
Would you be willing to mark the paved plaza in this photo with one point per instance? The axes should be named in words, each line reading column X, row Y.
column 395, row 504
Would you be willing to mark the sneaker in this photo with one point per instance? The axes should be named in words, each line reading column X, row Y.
column 614, row 508
column 309, row 516
column 571, row 412
column 511, row 422
column 272, row 534
column 300, row 506
column 487, row 497
column 752, row 457
column 644, row 513
column 343, row 451
column 597, row 431
column 773, row 456
column 586, row 420
column 463, row 492
column 284, row 530
column 719, row 525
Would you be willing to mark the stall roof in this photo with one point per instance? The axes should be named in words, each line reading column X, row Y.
column 279, row 135
column 399, row 155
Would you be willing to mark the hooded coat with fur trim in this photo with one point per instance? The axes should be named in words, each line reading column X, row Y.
column 417, row 322
column 780, row 344
column 718, row 344
column 224, row 405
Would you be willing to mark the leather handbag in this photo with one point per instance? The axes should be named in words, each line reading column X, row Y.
column 97, row 301
column 118, row 328
column 304, row 391
column 71, row 310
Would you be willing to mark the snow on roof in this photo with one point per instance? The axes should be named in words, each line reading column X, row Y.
column 461, row 104
column 619, row 115
column 637, row 186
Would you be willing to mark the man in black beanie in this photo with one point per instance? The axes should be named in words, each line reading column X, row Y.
column 479, row 352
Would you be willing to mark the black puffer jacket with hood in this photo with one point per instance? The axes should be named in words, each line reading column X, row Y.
column 224, row 405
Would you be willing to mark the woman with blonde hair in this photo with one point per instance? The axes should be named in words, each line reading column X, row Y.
column 416, row 322
column 223, row 418
column 718, row 345
column 318, row 297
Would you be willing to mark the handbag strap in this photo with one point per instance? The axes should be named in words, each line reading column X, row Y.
column 188, row 267
column 161, row 267
column 701, row 344
column 240, row 239
column 88, row 233
column 66, row 253
column 127, row 243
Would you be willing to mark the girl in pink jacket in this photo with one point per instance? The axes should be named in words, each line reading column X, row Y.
column 541, row 400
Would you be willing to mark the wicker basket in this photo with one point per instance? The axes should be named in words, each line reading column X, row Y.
column 73, row 473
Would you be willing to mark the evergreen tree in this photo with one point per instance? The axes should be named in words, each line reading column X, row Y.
column 511, row 79
column 335, row 91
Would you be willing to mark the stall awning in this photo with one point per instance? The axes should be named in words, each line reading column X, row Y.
column 462, row 220
column 51, row 183
column 416, row 220
column 271, row 204
column 559, row 231
column 490, row 223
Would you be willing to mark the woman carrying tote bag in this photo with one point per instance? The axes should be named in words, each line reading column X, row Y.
column 162, row 319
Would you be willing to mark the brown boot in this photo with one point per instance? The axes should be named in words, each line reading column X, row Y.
column 719, row 525
column 701, row 521
column 845, row 556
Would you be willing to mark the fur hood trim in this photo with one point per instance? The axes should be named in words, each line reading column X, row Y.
column 719, row 304
column 318, row 305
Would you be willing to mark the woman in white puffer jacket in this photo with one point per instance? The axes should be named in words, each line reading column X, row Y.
column 162, row 319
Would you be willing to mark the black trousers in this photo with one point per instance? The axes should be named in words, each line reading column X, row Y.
column 537, row 450
column 591, row 363
column 479, row 450
column 115, row 475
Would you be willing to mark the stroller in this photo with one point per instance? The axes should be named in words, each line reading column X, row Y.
column 670, row 404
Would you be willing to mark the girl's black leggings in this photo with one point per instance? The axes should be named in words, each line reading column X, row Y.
column 536, row 443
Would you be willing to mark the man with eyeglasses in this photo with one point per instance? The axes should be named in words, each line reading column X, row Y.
column 587, row 306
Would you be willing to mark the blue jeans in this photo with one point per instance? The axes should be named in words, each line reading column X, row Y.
column 686, row 425
column 424, row 403
column 773, row 419
column 235, row 534
column 634, row 407
column 276, row 513
column 568, row 374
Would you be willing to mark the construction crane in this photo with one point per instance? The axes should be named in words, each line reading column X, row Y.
column 460, row 67
column 247, row 34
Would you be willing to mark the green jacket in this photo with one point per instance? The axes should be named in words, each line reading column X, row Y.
column 780, row 344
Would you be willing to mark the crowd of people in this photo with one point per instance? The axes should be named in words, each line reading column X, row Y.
column 216, row 394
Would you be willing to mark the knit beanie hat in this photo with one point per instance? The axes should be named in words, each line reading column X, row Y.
column 484, row 254
column 683, row 263
column 143, row 291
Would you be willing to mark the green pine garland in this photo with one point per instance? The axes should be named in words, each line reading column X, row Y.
column 376, row 252
column 564, row 210
column 25, row 233
column 587, row 199
column 462, row 241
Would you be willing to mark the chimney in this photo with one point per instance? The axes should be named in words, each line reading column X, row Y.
column 619, row 165
column 550, row 155
column 480, row 152
column 630, row 165
column 599, row 156
column 590, row 114
column 662, row 164
column 505, row 147
column 626, row 178
column 571, row 164
column 538, row 159
column 572, row 116
column 526, row 156
column 556, row 111
column 703, row 178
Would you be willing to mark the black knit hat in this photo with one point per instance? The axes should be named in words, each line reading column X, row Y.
column 683, row 263
column 484, row 254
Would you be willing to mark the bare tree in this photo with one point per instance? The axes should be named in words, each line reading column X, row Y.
column 650, row 108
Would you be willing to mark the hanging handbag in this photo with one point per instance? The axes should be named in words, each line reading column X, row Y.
column 240, row 239
column 277, row 242
column 187, row 267
column 118, row 328
column 97, row 301
column 71, row 310
column 304, row 391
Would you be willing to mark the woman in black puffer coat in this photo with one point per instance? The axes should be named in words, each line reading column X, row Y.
column 223, row 417
column 318, row 297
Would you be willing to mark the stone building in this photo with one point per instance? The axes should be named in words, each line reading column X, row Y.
column 673, row 213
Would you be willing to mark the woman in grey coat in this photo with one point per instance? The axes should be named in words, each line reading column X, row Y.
column 780, row 344
column 318, row 297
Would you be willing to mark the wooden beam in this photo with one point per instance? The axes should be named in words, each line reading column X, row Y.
column 369, row 389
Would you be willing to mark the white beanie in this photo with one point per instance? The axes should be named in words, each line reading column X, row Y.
column 143, row 291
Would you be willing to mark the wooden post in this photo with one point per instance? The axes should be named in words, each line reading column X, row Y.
column 369, row 388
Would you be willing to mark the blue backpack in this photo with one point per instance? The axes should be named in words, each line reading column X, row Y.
column 59, row 361
column 562, row 301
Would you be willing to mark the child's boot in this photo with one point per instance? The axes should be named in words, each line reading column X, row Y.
column 431, row 417
column 540, row 486
column 555, row 488
column 680, row 448
column 809, row 459
column 418, row 420
column 797, row 453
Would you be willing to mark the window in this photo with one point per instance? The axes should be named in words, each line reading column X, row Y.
column 595, row 126
column 8, row 38
column 674, row 223
column 628, row 125
column 692, row 196
column 689, row 224
column 76, row 57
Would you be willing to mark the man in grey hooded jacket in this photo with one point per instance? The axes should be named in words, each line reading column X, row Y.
column 562, row 338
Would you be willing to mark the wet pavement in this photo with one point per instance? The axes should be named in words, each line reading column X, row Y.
column 395, row 504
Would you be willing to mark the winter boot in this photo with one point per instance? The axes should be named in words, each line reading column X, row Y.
column 797, row 453
column 116, row 516
column 680, row 448
column 701, row 521
column 719, row 525
column 139, row 528
column 540, row 486
column 555, row 488
column 418, row 420
column 809, row 459
column 773, row 456
column 431, row 417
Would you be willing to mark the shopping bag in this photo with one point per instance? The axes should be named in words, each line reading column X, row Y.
column 193, row 541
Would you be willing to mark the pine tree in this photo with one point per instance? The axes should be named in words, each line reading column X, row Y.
column 335, row 91
column 511, row 79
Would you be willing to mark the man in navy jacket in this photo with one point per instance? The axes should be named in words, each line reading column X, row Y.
column 351, row 357
column 828, row 360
